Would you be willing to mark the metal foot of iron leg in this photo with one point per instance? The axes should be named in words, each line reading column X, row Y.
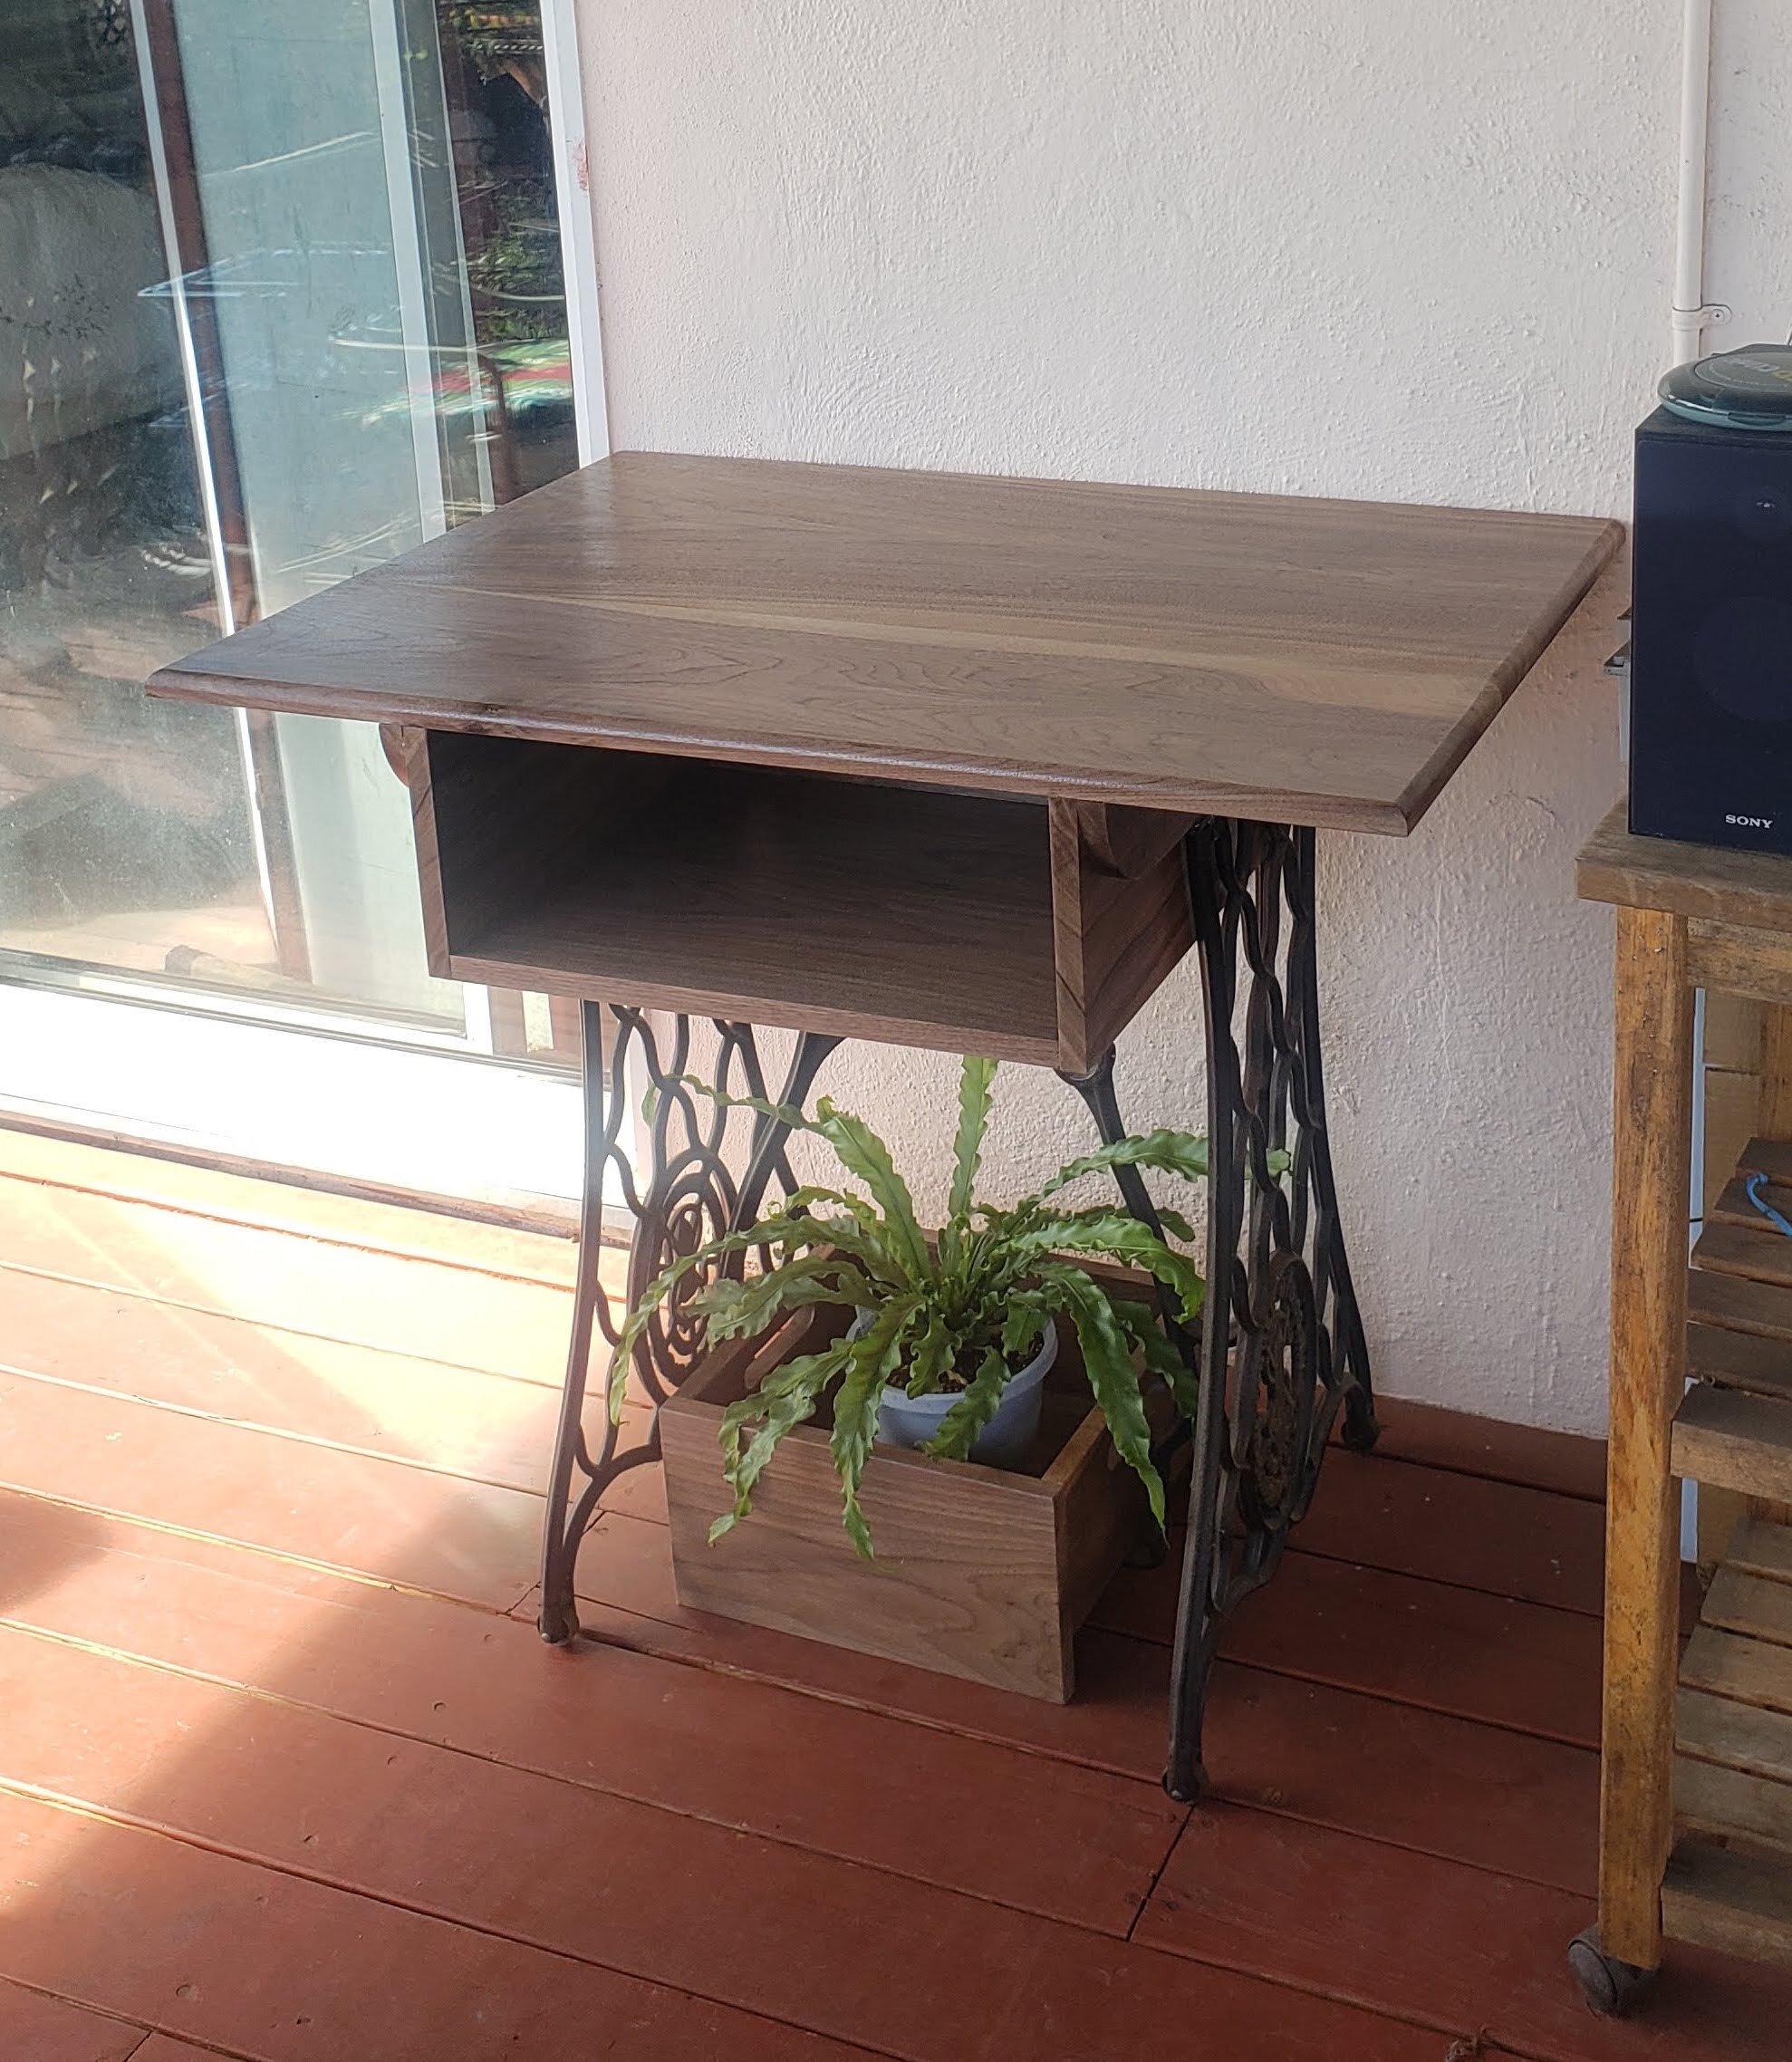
column 1186, row 1785
column 558, row 1622
column 1362, row 1427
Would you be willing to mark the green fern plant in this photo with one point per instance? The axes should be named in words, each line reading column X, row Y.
column 958, row 1315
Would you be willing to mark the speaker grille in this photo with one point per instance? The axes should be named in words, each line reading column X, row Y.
column 1742, row 655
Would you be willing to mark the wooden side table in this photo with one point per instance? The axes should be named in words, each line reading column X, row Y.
column 1710, row 1400
column 943, row 761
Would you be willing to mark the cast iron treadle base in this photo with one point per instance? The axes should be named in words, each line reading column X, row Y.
column 690, row 1198
column 1274, row 1377
column 1293, row 1354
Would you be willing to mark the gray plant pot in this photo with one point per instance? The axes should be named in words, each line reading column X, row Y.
column 912, row 1421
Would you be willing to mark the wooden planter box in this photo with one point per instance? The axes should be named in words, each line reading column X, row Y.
column 980, row 1572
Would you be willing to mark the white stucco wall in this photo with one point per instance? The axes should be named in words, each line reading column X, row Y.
column 1366, row 247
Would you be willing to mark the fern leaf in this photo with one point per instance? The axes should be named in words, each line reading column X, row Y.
column 1024, row 1324
column 1107, row 1360
column 1161, row 1357
column 976, row 1092
column 1169, row 1152
column 966, row 1417
column 785, row 1398
column 934, row 1352
column 873, row 1360
column 741, row 1310
column 1118, row 1234
column 864, row 1153
column 786, row 1228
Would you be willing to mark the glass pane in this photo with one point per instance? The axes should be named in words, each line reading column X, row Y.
column 125, row 832
column 326, row 319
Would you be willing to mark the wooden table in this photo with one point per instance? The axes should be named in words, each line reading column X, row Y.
column 954, row 762
column 1709, row 1399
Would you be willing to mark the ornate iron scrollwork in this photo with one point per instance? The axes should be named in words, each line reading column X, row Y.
column 1281, row 1352
column 692, row 1194
column 1295, row 1356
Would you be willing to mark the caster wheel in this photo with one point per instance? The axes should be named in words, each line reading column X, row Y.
column 1611, row 1988
column 558, row 1624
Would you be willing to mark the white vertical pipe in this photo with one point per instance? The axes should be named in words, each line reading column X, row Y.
column 1695, row 108
column 1687, row 343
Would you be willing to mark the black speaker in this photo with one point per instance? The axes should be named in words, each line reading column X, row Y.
column 1710, row 665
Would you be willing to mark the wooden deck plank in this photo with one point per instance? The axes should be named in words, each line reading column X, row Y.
column 1474, row 1953
column 1399, row 1637
column 305, row 1284
column 273, row 1967
column 158, row 2047
column 1531, row 1456
column 377, row 1517
column 1505, row 1538
column 1337, row 1757
column 37, row 2029
column 1070, row 1842
column 291, row 1207
column 455, row 1419
column 1040, row 1817
column 665, row 1900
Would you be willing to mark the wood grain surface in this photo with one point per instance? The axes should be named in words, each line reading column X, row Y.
column 1739, row 1441
column 1325, row 662
column 1740, row 1903
column 1741, row 959
column 1651, row 1174
column 1752, row 890
column 982, row 1573
column 242, row 1787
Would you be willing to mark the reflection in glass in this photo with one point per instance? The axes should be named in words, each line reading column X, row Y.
column 293, row 314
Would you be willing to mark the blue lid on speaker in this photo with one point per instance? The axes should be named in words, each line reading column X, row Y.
column 1750, row 389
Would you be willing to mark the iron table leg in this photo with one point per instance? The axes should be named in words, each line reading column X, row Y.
column 690, row 1195
column 1281, row 1352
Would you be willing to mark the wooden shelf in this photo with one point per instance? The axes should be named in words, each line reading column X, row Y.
column 1733, row 1428
column 1714, row 1897
column 911, row 914
column 1730, row 1883
column 1735, row 1441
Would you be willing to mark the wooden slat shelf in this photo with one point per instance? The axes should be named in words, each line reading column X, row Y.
column 1756, row 1252
column 1717, row 1898
column 1730, row 1664
column 1758, row 1607
column 1730, row 1883
column 1735, row 1441
column 1739, row 1360
column 1734, row 1427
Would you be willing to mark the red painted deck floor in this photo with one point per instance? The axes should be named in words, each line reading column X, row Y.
column 284, row 1772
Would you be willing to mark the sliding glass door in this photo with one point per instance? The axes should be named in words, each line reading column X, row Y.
column 284, row 291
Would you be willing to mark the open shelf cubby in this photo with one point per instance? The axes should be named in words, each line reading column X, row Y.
column 916, row 915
